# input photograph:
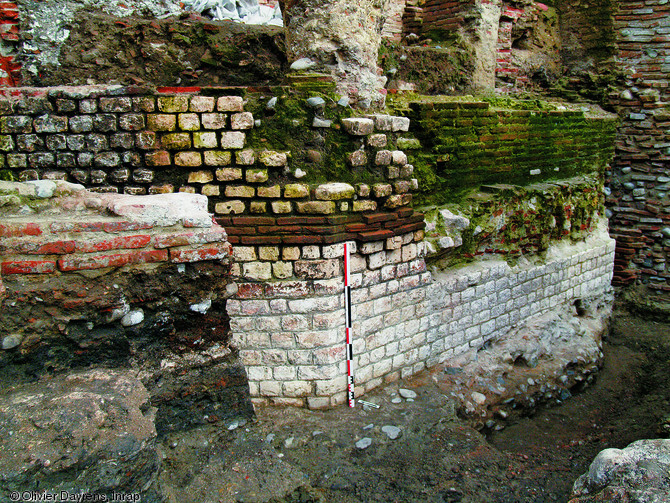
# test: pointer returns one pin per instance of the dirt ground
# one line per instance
(295, 455)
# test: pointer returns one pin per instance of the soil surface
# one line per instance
(296, 455)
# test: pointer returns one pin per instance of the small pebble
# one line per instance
(368, 426)
(392, 432)
(407, 393)
(364, 443)
(396, 400)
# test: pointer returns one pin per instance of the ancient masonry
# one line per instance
(287, 316)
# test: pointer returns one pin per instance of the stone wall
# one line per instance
(639, 201)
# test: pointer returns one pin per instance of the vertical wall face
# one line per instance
(639, 201)
(10, 69)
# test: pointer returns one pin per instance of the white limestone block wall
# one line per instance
(291, 333)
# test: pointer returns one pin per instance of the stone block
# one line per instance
(243, 191)
(296, 190)
(189, 122)
(280, 207)
(282, 270)
(290, 253)
(228, 174)
(200, 177)
(381, 190)
(172, 104)
(161, 122)
(146, 140)
(217, 158)
(244, 253)
(317, 207)
(243, 120)
(81, 124)
(334, 191)
(311, 252)
(399, 157)
(274, 191)
(258, 207)
(210, 190)
(397, 201)
(364, 205)
(202, 104)
(270, 158)
(357, 158)
(383, 158)
(230, 104)
(268, 252)
(392, 172)
(205, 139)
(232, 139)
(50, 124)
(258, 271)
(176, 141)
(257, 175)
(190, 159)
(377, 140)
(214, 121)
(358, 127)
(245, 157)
(317, 269)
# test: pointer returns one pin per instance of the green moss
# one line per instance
(6, 175)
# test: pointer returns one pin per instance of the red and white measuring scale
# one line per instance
(347, 324)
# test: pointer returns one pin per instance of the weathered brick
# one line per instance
(28, 267)
(88, 106)
(358, 127)
(31, 142)
(317, 269)
(258, 207)
(257, 270)
(41, 160)
(228, 174)
(189, 122)
(17, 160)
(120, 175)
(115, 243)
(212, 251)
(364, 205)
(106, 160)
(383, 158)
(89, 261)
(6, 143)
(143, 175)
(357, 158)
(96, 142)
(124, 141)
(210, 190)
(377, 140)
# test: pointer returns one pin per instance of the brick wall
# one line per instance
(639, 202)
(393, 25)
(447, 15)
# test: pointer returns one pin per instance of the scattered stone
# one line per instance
(392, 432)
(289, 443)
(368, 426)
(396, 400)
(11, 341)
(270, 438)
(364, 443)
(272, 103)
(201, 307)
(407, 394)
(478, 397)
(324, 123)
(316, 101)
(134, 317)
(343, 102)
(302, 64)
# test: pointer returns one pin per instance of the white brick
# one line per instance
(377, 260)
(311, 252)
(244, 253)
(284, 373)
(297, 388)
(270, 388)
(330, 387)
